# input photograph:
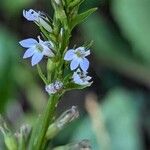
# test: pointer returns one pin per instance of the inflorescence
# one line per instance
(66, 69)
(77, 57)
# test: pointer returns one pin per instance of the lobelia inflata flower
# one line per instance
(37, 50)
(37, 17)
(54, 87)
(77, 58)
(81, 78)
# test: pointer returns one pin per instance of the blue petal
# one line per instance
(31, 15)
(84, 64)
(36, 58)
(77, 79)
(69, 55)
(29, 52)
(74, 64)
(27, 43)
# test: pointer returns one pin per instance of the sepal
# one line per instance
(73, 86)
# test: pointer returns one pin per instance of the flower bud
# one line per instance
(83, 145)
(39, 18)
(22, 136)
(9, 138)
(25, 131)
(44, 24)
(67, 117)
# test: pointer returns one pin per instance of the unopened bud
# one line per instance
(9, 138)
(45, 24)
(83, 145)
(67, 117)
(25, 131)
(22, 136)
(62, 121)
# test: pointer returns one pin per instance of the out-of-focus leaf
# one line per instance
(37, 101)
(8, 51)
(120, 111)
(84, 131)
(133, 18)
(112, 50)
(1, 142)
(13, 6)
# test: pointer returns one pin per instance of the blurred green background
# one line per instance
(120, 67)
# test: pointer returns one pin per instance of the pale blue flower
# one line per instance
(37, 17)
(81, 78)
(77, 58)
(54, 87)
(36, 50)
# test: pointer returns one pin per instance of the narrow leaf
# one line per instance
(81, 17)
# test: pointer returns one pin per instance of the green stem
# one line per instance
(21, 145)
(44, 144)
(46, 119)
(41, 74)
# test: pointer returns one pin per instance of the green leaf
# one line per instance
(2, 142)
(81, 17)
(8, 61)
(15, 6)
(120, 113)
(134, 22)
(111, 49)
